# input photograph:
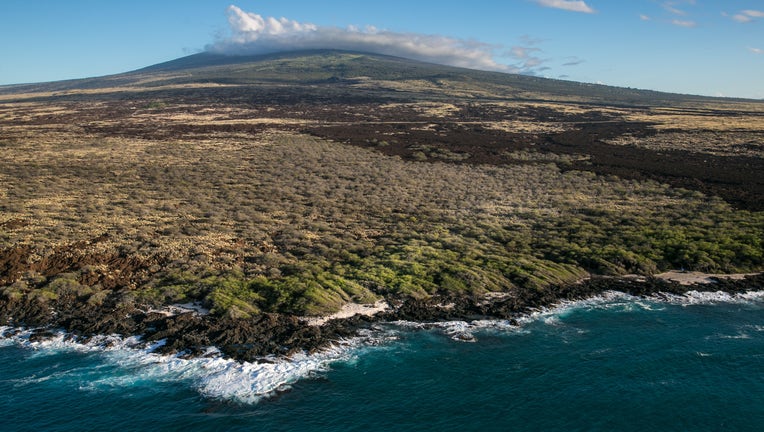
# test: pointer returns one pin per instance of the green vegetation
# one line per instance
(293, 224)
(155, 105)
(214, 193)
(424, 152)
(303, 69)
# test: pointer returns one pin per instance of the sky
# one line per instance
(708, 47)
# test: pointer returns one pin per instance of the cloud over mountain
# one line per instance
(569, 5)
(254, 34)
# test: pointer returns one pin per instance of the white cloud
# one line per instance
(754, 13)
(569, 5)
(644, 17)
(669, 7)
(748, 15)
(573, 61)
(253, 34)
(526, 58)
(682, 23)
(521, 52)
(756, 50)
(530, 40)
(532, 62)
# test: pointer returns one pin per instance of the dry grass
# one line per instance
(429, 109)
(686, 121)
(721, 143)
(722, 117)
(527, 126)
(441, 87)
(76, 187)
(568, 108)
(135, 87)
(274, 203)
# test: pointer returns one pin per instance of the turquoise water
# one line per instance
(613, 363)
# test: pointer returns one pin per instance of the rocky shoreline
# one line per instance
(190, 332)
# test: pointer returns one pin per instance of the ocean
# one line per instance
(609, 363)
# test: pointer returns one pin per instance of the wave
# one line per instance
(710, 298)
(216, 377)
(554, 315)
(212, 375)
(464, 331)
(616, 300)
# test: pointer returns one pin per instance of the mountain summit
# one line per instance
(356, 69)
(259, 191)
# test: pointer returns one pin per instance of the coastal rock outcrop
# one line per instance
(191, 333)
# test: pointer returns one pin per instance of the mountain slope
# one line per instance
(297, 183)
(342, 68)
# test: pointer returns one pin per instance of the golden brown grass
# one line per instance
(278, 203)
(721, 143)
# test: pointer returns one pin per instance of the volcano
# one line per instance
(333, 68)
(267, 189)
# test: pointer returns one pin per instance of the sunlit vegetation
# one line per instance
(194, 187)
(290, 223)
(722, 143)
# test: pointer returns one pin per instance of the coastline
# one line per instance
(188, 332)
(350, 310)
(617, 331)
(693, 277)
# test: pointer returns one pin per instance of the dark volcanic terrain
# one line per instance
(269, 189)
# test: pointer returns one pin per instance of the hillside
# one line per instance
(333, 68)
(297, 183)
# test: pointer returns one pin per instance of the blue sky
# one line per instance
(711, 47)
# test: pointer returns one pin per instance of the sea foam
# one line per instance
(211, 375)
(616, 300)
(555, 314)
(708, 297)
(216, 377)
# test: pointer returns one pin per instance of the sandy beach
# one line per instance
(349, 310)
(692, 277)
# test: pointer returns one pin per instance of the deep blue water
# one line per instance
(618, 363)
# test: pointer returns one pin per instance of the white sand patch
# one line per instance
(689, 278)
(177, 309)
(350, 310)
(193, 307)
